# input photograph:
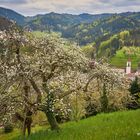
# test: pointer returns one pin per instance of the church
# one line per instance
(129, 73)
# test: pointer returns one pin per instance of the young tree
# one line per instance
(15, 70)
(105, 81)
(135, 90)
(54, 59)
(134, 87)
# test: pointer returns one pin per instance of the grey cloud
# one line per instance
(121, 3)
(128, 3)
(13, 1)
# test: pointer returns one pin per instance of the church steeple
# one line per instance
(128, 67)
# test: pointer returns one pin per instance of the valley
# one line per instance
(69, 75)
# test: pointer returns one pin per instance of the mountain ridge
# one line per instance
(5, 24)
(12, 15)
(103, 32)
(83, 28)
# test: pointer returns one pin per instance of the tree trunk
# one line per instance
(49, 111)
(52, 120)
(48, 108)
(28, 117)
(104, 100)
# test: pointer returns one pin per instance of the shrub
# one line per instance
(8, 128)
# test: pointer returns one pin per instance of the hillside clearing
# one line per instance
(121, 57)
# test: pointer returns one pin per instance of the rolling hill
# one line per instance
(121, 57)
(89, 32)
(108, 46)
(61, 22)
(84, 28)
(5, 24)
(12, 15)
(108, 33)
(119, 48)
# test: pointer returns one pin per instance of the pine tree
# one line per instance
(134, 87)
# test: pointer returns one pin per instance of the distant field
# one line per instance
(121, 57)
(44, 34)
(39, 33)
(113, 126)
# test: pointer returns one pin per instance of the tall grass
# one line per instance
(114, 126)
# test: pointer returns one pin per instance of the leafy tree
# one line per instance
(134, 87)
(37, 72)
(53, 60)
(89, 51)
(134, 90)
(105, 80)
(42, 71)
(16, 87)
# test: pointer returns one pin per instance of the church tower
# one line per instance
(128, 67)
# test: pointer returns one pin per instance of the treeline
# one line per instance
(87, 33)
(108, 45)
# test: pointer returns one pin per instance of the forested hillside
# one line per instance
(4, 23)
(108, 47)
(102, 34)
(87, 33)
(12, 15)
(121, 57)
(60, 22)
(83, 28)
(117, 48)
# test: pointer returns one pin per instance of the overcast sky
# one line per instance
(33, 7)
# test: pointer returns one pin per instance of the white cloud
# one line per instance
(33, 7)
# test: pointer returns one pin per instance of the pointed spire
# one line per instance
(128, 66)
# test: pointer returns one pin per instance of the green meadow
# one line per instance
(122, 56)
(113, 126)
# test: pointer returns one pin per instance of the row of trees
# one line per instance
(38, 72)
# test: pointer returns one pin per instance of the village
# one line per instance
(128, 72)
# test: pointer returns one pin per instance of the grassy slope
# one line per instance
(120, 59)
(114, 126)
(16, 133)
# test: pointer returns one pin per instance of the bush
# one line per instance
(8, 128)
